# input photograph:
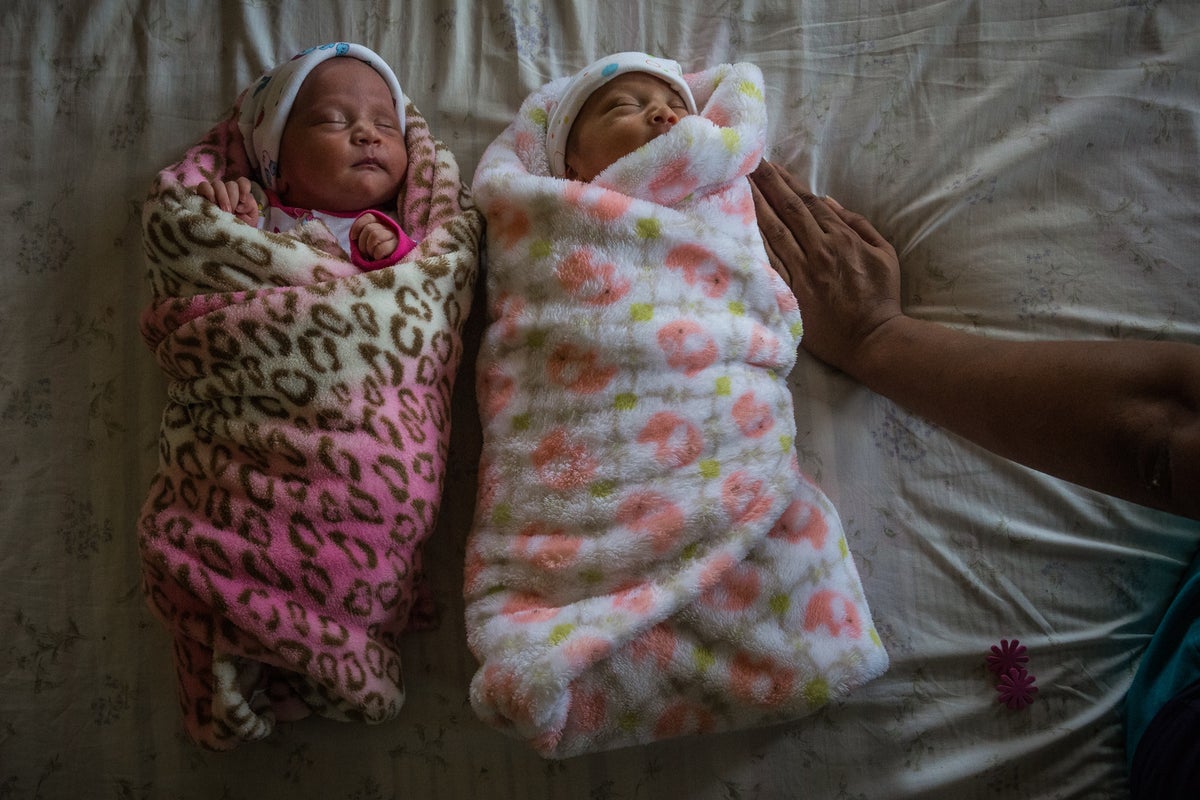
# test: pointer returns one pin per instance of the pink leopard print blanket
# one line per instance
(647, 559)
(302, 446)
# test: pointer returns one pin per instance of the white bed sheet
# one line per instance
(1036, 163)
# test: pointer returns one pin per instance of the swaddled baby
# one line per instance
(309, 367)
(647, 559)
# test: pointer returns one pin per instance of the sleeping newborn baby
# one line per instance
(326, 131)
(647, 559)
(620, 112)
(309, 369)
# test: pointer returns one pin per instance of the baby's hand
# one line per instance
(235, 197)
(375, 240)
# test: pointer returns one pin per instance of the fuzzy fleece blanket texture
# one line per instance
(302, 445)
(647, 558)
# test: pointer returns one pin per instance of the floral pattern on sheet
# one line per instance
(524, 28)
(973, 135)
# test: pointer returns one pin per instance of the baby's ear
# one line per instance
(570, 172)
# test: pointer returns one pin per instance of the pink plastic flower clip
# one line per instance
(1016, 688)
(1008, 656)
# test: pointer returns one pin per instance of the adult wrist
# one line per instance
(881, 350)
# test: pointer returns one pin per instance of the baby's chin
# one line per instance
(358, 198)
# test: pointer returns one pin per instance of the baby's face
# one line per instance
(342, 149)
(618, 118)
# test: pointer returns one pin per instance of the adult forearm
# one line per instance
(1119, 417)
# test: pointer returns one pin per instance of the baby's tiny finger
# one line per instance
(223, 200)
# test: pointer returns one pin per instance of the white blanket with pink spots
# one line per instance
(648, 559)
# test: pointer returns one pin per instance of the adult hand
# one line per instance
(844, 274)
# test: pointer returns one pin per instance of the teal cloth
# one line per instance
(1171, 662)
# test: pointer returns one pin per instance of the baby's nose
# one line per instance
(663, 115)
(366, 132)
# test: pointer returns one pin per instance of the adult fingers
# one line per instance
(827, 212)
(790, 206)
(775, 261)
(777, 264)
(821, 212)
(783, 251)
(861, 225)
